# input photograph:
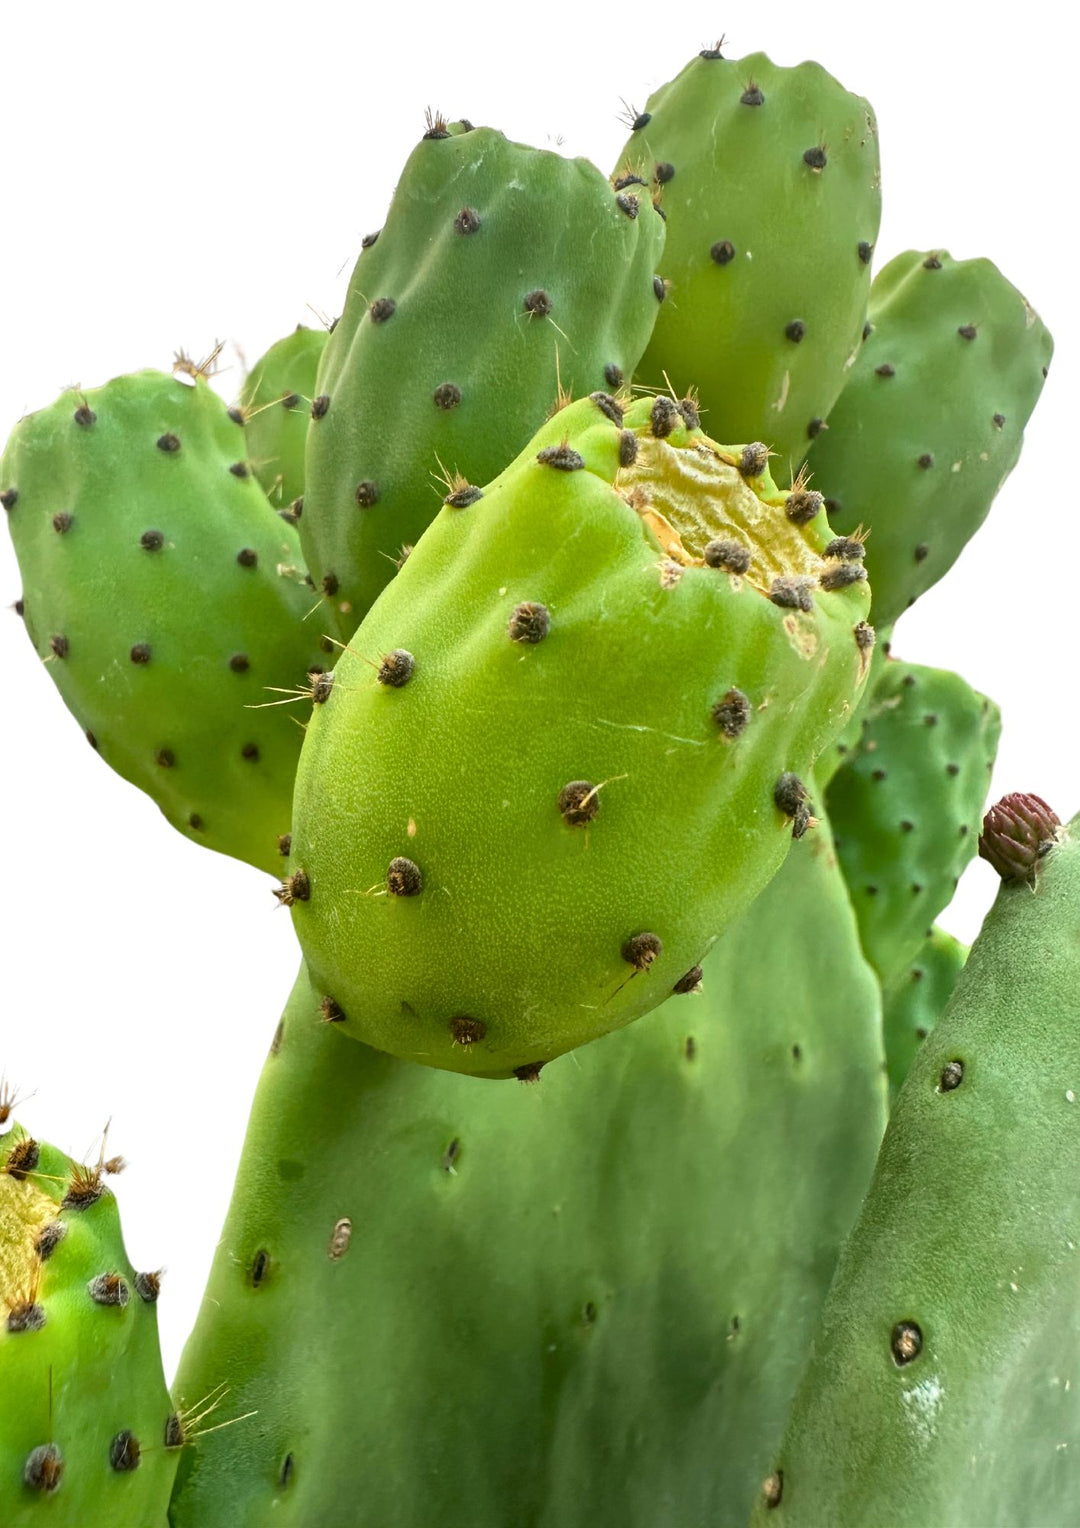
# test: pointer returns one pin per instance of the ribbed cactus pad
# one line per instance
(88, 1436)
(942, 1387)
(932, 418)
(276, 404)
(501, 272)
(770, 182)
(916, 998)
(167, 599)
(568, 746)
(557, 1307)
(907, 803)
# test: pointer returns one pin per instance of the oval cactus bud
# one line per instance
(1017, 833)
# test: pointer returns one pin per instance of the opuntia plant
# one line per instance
(635, 1148)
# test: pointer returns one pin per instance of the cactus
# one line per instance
(932, 419)
(938, 1389)
(503, 274)
(916, 997)
(907, 804)
(166, 598)
(610, 1254)
(489, 917)
(276, 402)
(88, 1434)
(770, 182)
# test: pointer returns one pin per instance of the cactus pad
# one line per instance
(276, 404)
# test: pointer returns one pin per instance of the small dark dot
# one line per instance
(151, 541)
(628, 448)
(382, 309)
(247, 557)
(529, 623)
(690, 1048)
(930, 719)
(284, 844)
(964, 830)
(195, 821)
(723, 252)
(926, 460)
(906, 1342)
(290, 400)
(295, 509)
(967, 331)
(403, 877)
(467, 220)
(84, 416)
(91, 739)
(613, 375)
(140, 653)
(952, 769)
(466, 1031)
(287, 1466)
(842, 577)
(815, 157)
(44, 1468)
(124, 1451)
(815, 427)
(796, 1053)
(332, 1012)
(239, 469)
(871, 891)
(866, 251)
(867, 330)
(642, 950)
(59, 645)
(396, 669)
(795, 331)
(754, 459)
(846, 548)
(329, 584)
(579, 802)
(563, 457)
(239, 663)
(803, 505)
(885, 370)
(732, 713)
(664, 416)
(952, 1076)
(641, 120)
(369, 239)
(250, 751)
(628, 204)
(752, 96)
(9, 498)
(168, 442)
(999, 421)
(792, 593)
(879, 774)
(664, 172)
(260, 1266)
(165, 758)
(608, 406)
(446, 396)
(691, 982)
(366, 493)
(907, 826)
(659, 286)
(731, 555)
(916, 889)
(931, 263)
(320, 405)
(461, 498)
(689, 410)
(62, 522)
(538, 303)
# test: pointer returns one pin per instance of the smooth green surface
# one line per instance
(915, 999)
(215, 633)
(971, 1229)
(580, 1304)
(907, 804)
(918, 454)
(90, 1372)
(794, 230)
(276, 402)
(523, 918)
(543, 223)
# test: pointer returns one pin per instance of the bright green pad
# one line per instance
(523, 919)
(917, 452)
(76, 1373)
(461, 373)
(907, 805)
(573, 1305)
(792, 242)
(970, 1231)
(167, 599)
(916, 998)
(276, 405)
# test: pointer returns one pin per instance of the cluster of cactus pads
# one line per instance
(576, 545)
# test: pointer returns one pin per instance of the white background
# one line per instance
(171, 175)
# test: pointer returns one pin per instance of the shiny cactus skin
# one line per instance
(932, 418)
(503, 273)
(88, 1434)
(166, 599)
(939, 1390)
(907, 803)
(770, 182)
(276, 404)
(656, 738)
(566, 1296)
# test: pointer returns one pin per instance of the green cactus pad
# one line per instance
(770, 181)
(907, 803)
(932, 419)
(916, 998)
(566, 711)
(578, 1305)
(502, 273)
(276, 404)
(88, 1435)
(167, 599)
(942, 1387)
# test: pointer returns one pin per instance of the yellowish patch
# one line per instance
(24, 1209)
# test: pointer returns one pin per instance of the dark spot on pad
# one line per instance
(59, 645)
(842, 576)
(905, 1341)
(168, 442)
(579, 802)
(922, 551)
(816, 157)
(608, 406)
(9, 498)
(752, 96)
(691, 982)
(885, 370)
(931, 263)
(866, 251)
(732, 713)
(320, 405)
(239, 663)
(369, 239)
(564, 457)
(999, 421)
(466, 1031)
(195, 821)
(63, 522)
(803, 505)
(529, 1073)
(49, 1238)
(284, 844)
(174, 1431)
(287, 1465)
(403, 877)
(664, 172)
(538, 303)
(722, 252)
(791, 798)
(792, 592)
(294, 888)
(165, 758)
(109, 1289)
(613, 375)
(926, 460)
(628, 204)
(814, 428)
(260, 1267)
(664, 416)
(641, 120)
(44, 1468)
(329, 584)
(247, 557)
(332, 1012)
(366, 493)
(239, 469)
(467, 220)
(148, 1287)
(84, 416)
(659, 286)
(795, 331)
(446, 396)
(628, 448)
(396, 669)
(25, 1316)
(628, 180)
(754, 459)
(461, 498)
(689, 410)
(530, 622)
(967, 331)
(642, 950)
(382, 309)
(845, 549)
(952, 1076)
(731, 555)
(250, 751)
(140, 653)
(151, 541)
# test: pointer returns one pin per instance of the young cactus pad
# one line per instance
(502, 272)
(566, 710)
(88, 1435)
(770, 182)
(166, 598)
(932, 418)
(942, 1383)
(907, 803)
(553, 1307)
(276, 404)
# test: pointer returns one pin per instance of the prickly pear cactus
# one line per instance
(276, 404)
(940, 1389)
(596, 683)
(932, 418)
(167, 599)
(88, 1434)
(502, 272)
(907, 803)
(915, 999)
(567, 1297)
(770, 182)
